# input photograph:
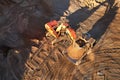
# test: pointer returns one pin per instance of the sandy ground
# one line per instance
(39, 60)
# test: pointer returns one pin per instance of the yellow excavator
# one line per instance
(79, 46)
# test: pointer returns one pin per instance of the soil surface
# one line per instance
(27, 54)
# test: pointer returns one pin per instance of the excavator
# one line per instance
(79, 47)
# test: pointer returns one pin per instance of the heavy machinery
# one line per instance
(79, 47)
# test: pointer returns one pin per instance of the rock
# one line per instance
(34, 49)
(35, 41)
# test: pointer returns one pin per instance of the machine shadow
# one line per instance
(99, 28)
(80, 16)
